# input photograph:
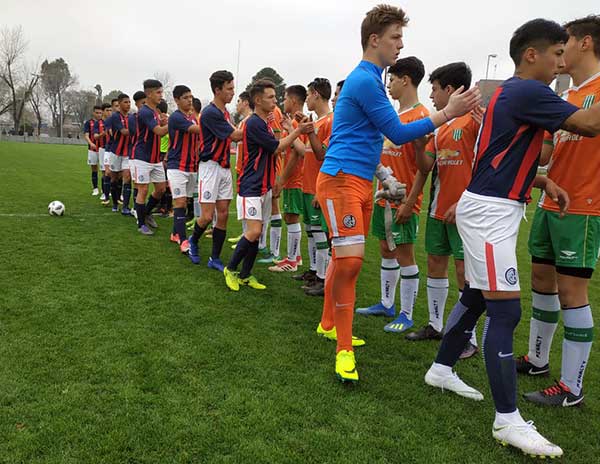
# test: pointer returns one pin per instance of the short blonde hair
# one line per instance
(379, 19)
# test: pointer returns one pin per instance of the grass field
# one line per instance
(115, 349)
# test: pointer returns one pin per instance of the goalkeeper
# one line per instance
(344, 186)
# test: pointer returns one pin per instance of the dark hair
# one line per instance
(537, 33)
(322, 86)
(122, 96)
(218, 79)
(106, 106)
(150, 84)
(297, 91)
(410, 66)
(197, 104)
(112, 102)
(340, 84)
(379, 19)
(258, 88)
(179, 90)
(590, 25)
(162, 106)
(244, 96)
(139, 95)
(454, 74)
(97, 107)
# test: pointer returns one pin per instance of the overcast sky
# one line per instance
(120, 43)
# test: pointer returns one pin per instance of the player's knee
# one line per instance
(543, 277)
(437, 266)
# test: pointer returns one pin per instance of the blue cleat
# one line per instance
(399, 325)
(215, 264)
(377, 310)
(193, 252)
(126, 212)
(145, 230)
(115, 209)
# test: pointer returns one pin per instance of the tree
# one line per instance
(79, 105)
(35, 101)
(167, 81)
(4, 98)
(112, 94)
(272, 75)
(14, 72)
(98, 89)
(56, 80)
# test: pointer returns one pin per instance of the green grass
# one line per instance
(114, 349)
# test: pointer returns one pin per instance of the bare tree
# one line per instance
(98, 89)
(35, 101)
(14, 73)
(167, 81)
(56, 80)
(79, 105)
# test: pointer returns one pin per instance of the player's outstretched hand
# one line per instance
(286, 123)
(462, 102)
(558, 195)
(299, 116)
(306, 127)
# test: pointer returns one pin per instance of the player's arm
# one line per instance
(287, 141)
(554, 192)
(547, 149)
(584, 122)
(405, 210)
(160, 130)
(317, 146)
(381, 113)
(237, 134)
(296, 154)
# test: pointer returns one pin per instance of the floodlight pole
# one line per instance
(487, 67)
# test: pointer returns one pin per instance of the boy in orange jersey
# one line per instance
(290, 183)
(450, 154)
(405, 77)
(564, 250)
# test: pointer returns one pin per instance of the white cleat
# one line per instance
(526, 438)
(451, 382)
(103, 197)
(95, 192)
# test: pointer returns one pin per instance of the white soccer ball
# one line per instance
(56, 208)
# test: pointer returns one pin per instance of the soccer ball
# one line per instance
(56, 208)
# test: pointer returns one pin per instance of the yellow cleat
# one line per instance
(332, 335)
(231, 279)
(252, 283)
(345, 366)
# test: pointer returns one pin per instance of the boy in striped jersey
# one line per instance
(119, 156)
(89, 129)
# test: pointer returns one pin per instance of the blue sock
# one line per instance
(135, 192)
(95, 179)
(179, 223)
(249, 260)
(152, 202)
(114, 193)
(106, 186)
(459, 326)
(218, 241)
(198, 231)
(140, 209)
(239, 253)
(502, 319)
(126, 194)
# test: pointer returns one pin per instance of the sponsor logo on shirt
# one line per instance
(565, 136)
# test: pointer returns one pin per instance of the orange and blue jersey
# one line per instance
(91, 127)
(182, 154)
(363, 113)
(120, 143)
(258, 165)
(511, 138)
(147, 145)
(215, 129)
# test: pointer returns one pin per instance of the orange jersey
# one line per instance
(575, 161)
(311, 164)
(240, 149)
(274, 121)
(453, 148)
(402, 159)
(295, 179)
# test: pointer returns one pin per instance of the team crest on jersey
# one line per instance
(207, 195)
(588, 101)
(252, 211)
(457, 134)
(511, 276)
(177, 191)
(349, 221)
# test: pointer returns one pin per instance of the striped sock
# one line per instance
(390, 275)
(544, 319)
(577, 345)
(409, 289)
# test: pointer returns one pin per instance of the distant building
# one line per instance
(487, 88)
(562, 83)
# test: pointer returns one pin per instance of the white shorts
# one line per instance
(144, 173)
(106, 157)
(214, 182)
(489, 227)
(92, 158)
(118, 163)
(181, 183)
(255, 208)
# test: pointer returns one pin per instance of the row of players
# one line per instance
(564, 249)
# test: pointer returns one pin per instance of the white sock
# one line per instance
(390, 275)
(321, 253)
(474, 336)
(441, 369)
(197, 210)
(577, 345)
(312, 249)
(294, 235)
(437, 294)
(543, 323)
(409, 289)
(262, 242)
(276, 227)
(509, 418)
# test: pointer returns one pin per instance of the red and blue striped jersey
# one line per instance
(183, 152)
(132, 122)
(259, 158)
(511, 136)
(215, 129)
(147, 145)
(90, 127)
(120, 142)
